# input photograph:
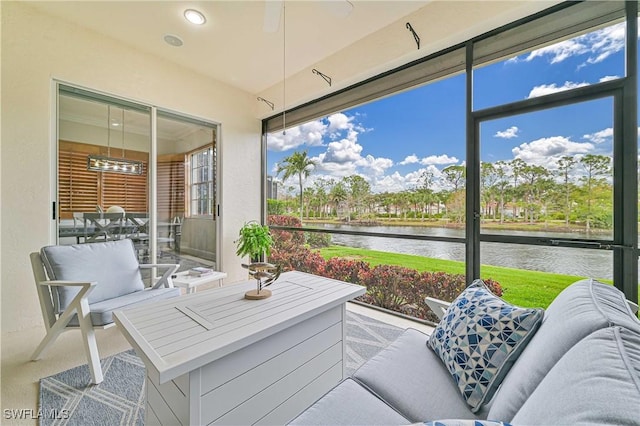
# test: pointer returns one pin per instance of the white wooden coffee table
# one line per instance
(217, 358)
(190, 282)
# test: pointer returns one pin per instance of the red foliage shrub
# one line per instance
(345, 269)
(440, 285)
(388, 286)
(285, 239)
(494, 286)
(392, 287)
(298, 259)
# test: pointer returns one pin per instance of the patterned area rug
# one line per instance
(120, 400)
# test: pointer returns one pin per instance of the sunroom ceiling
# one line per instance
(347, 40)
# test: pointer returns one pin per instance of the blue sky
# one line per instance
(390, 142)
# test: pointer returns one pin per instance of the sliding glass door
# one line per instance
(186, 188)
(111, 187)
(103, 166)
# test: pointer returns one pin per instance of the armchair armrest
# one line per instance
(68, 283)
(79, 304)
(439, 307)
(165, 279)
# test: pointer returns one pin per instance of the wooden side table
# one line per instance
(191, 282)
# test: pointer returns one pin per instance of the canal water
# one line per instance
(562, 260)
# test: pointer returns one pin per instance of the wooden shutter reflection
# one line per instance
(171, 187)
(81, 190)
(77, 186)
(126, 191)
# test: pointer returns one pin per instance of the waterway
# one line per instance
(562, 260)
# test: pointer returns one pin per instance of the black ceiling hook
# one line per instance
(326, 77)
(271, 104)
(415, 36)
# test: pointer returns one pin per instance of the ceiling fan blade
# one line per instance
(272, 15)
(340, 8)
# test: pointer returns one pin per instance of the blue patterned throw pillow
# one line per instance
(479, 338)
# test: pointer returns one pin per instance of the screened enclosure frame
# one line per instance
(558, 22)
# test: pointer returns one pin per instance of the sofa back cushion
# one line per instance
(578, 311)
(113, 265)
(597, 382)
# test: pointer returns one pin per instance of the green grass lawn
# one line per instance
(521, 287)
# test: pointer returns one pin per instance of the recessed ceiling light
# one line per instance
(173, 40)
(194, 17)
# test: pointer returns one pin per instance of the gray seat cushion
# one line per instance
(349, 404)
(596, 383)
(102, 312)
(412, 378)
(578, 311)
(113, 265)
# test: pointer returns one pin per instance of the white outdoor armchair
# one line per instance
(81, 285)
(439, 307)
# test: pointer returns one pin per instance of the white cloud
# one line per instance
(438, 159)
(396, 182)
(309, 134)
(432, 159)
(332, 168)
(601, 136)
(560, 51)
(511, 132)
(546, 89)
(412, 179)
(547, 151)
(608, 78)
(339, 122)
(313, 133)
(389, 183)
(376, 166)
(344, 156)
(605, 42)
(411, 159)
(598, 45)
(343, 151)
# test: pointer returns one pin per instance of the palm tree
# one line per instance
(338, 195)
(297, 164)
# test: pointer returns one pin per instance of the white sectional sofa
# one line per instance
(581, 366)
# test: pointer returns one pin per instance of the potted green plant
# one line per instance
(254, 241)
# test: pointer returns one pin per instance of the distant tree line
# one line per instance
(572, 189)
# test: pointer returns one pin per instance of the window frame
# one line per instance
(193, 185)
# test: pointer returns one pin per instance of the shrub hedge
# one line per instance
(388, 286)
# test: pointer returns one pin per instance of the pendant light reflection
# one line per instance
(99, 163)
(102, 163)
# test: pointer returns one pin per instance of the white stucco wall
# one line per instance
(36, 49)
